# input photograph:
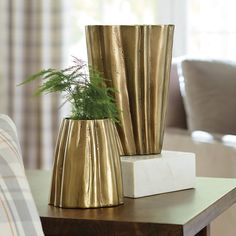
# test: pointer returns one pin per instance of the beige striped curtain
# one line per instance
(30, 39)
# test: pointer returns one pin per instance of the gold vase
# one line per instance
(136, 61)
(86, 170)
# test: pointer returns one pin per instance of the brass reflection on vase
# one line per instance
(136, 61)
(87, 170)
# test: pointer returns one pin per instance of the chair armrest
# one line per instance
(214, 157)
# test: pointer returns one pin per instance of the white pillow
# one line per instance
(18, 213)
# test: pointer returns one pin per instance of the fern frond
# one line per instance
(84, 88)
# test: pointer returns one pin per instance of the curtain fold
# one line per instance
(31, 39)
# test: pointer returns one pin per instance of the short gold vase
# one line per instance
(135, 60)
(86, 170)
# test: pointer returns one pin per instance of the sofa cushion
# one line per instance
(210, 95)
(175, 116)
(18, 213)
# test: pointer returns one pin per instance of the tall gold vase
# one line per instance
(86, 171)
(137, 61)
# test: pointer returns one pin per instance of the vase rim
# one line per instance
(68, 118)
(153, 25)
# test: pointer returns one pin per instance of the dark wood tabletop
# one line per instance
(182, 213)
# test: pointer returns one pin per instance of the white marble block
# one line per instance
(145, 175)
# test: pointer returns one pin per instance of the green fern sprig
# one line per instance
(83, 87)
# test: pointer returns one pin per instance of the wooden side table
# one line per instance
(183, 213)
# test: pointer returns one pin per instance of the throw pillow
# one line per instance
(210, 95)
(18, 213)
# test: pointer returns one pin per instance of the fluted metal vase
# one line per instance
(86, 171)
(136, 61)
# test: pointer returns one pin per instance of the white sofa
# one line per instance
(215, 153)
